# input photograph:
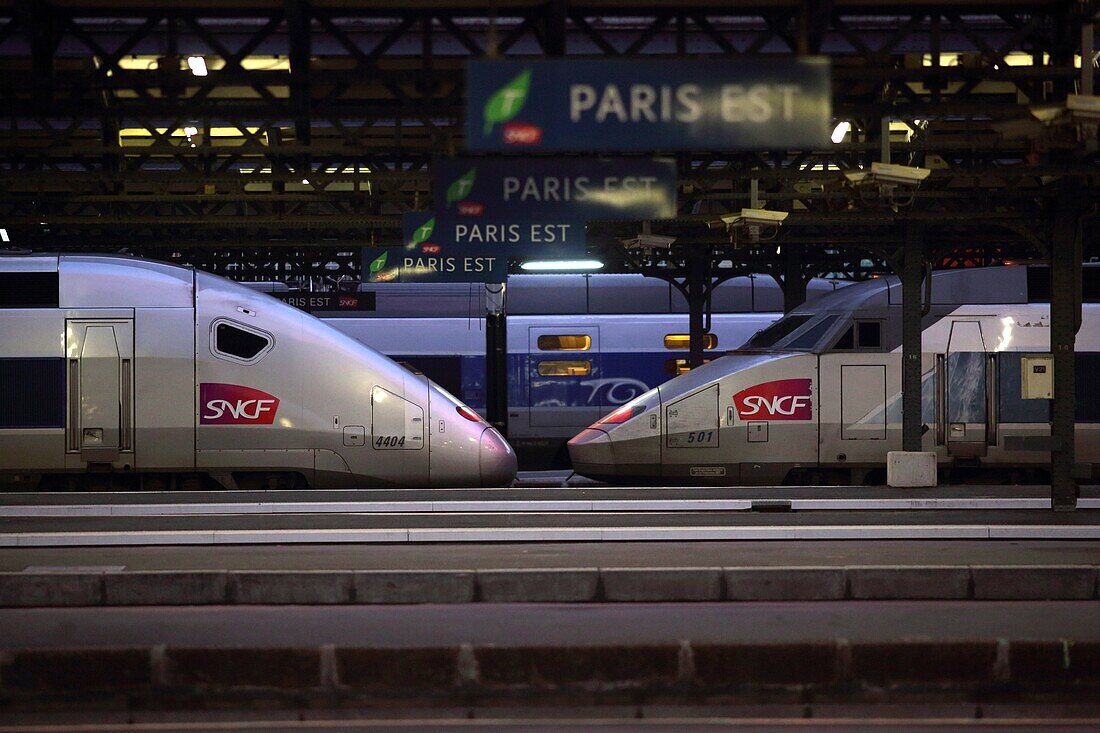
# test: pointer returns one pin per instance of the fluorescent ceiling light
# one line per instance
(197, 64)
(4, 235)
(559, 265)
(842, 129)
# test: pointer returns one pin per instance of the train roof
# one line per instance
(573, 294)
(109, 281)
(816, 325)
(970, 286)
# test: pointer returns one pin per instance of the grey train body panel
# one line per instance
(116, 367)
(817, 395)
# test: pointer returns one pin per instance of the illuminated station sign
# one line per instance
(491, 209)
(648, 105)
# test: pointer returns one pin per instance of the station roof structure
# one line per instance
(313, 124)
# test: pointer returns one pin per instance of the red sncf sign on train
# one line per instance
(232, 404)
(783, 399)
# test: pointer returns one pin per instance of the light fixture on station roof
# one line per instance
(4, 236)
(197, 64)
(561, 265)
(840, 131)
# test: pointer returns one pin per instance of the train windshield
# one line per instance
(809, 339)
(776, 332)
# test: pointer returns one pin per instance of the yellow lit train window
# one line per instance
(676, 367)
(683, 341)
(565, 368)
(568, 342)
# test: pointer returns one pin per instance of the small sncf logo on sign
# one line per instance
(232, 404)
(783, 399)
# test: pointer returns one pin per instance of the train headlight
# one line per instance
(622, 414)
(467, 413)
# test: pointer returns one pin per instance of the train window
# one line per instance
(565, 368)
(28, 290)
(776, 332)
(676, 367)
(683, 341)
(567, 342)
(869, 334)
(239, 342)
(1010, 406)
(811, 336)
(1087, 366)
(861, 335)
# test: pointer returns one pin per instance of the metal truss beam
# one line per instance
(356, 99)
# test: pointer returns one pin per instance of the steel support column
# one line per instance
(794, 278)
(696, 289)
(1065, 321)
(298, 32)
(554, 16)
(496, 358)
(912, 273)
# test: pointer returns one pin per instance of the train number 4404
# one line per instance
(389, 441)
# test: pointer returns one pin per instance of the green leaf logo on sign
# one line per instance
(379, 262)
(461, 188)
(507, 101)
(423, 233)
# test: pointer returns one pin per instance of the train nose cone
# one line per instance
(590, 453)
(498, 460)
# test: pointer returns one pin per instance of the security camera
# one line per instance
(1083, 107)
(749, 217)
(762, 216)
(902, 175)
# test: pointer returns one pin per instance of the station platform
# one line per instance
(549, 572)
(796, 652)
(138, 601)
(581, 514)
(568, 545)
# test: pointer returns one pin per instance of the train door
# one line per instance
(100, 418)
(564, 376)
(863, 402)
(398, 428)
(964, 415)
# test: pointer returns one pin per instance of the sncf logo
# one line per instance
(522, 133)
(232, 404)
(783, 399)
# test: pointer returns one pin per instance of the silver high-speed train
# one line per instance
(817, 395)
(118, 372)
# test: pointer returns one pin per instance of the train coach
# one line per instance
(127, 373)
(816, 397)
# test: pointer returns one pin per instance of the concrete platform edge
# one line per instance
(553, 585)
(832, 667)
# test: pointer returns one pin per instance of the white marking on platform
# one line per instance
(81, 569)
(546, 534)
(527, 506)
